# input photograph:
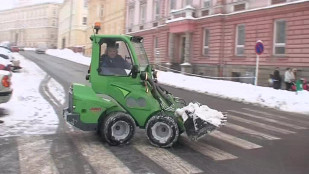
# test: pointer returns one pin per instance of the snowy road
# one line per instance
(256, 140)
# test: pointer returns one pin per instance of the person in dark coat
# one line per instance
(112, 63)
(277, 79)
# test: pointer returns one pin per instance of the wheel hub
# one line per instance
(161, 131)
(120, 130)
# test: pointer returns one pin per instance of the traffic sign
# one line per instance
(259, 47)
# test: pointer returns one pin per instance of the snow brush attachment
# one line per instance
(200, 120)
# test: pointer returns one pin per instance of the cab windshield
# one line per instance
(141, 55)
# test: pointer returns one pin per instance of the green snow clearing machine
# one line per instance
(119, 99)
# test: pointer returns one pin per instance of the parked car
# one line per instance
(5, 86)
(14, 49)
(5, 53)
(5, 65)
(41, 49)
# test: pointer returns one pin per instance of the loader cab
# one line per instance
(117, 63)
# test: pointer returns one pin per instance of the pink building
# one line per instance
(218, 37)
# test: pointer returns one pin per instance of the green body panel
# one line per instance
(89, 105)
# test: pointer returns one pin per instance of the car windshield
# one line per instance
(141, 55)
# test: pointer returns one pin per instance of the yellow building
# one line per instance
(73, 16)
(31, 25)
(111, 14)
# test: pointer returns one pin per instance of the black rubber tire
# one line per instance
(116, 119)
(164, 122)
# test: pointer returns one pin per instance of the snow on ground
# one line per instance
(247, 93)
(69, 55)
(27, 111)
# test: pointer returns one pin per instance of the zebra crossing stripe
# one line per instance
(39, 160)
(279, 116)
(250, 131)
(269, 120)
(168, 161)
(100, 158)
(208, 150)
(234, 140)
(261, 125)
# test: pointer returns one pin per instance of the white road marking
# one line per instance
(34, 155)
(250, 131)
(269, 120)
(234, 140)
(99, 157)
(261, 125)
(278, 116)
(168, 161)
(208, 150)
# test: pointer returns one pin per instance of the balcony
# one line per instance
(185, 13)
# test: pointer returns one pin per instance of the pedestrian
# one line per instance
(271, 80)
(288, 78)
(277, 79)
(294, 71)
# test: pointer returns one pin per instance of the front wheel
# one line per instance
(117, 128)
(162, 131)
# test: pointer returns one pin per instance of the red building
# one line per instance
(218, 37)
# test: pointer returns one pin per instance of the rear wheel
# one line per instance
(162, 131)
(117, 128)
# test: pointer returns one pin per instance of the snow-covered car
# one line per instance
(5, 65)
(5, 86)
(5, 53)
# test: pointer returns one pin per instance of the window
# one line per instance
(206, 3)
(85, 3)
(156, 49)
(142, 14)
(240, 40)
(172, 4)
(186, 2)
(115, 59)
(206, 42)
(277, 1)
(239, 7)
(279, 40)
(156, 9)
(131, 17)
(101, 11)
(84, 20)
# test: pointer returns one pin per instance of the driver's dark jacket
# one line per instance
(113, 66)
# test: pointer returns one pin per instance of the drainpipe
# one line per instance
(70, 24)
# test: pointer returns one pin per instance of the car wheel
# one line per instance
(118, 128)
(162, 131)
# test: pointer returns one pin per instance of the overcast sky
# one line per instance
(8, 4)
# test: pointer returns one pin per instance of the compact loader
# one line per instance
(116, 103)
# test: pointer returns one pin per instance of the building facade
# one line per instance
(30, 26)
(218, 37)
(73, 20)
(111, 14)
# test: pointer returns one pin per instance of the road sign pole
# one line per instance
(257, 69)
(259, 48)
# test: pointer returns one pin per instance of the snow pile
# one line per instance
(203, 112)
(242, 92)
(27, 112)
(69, 55)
